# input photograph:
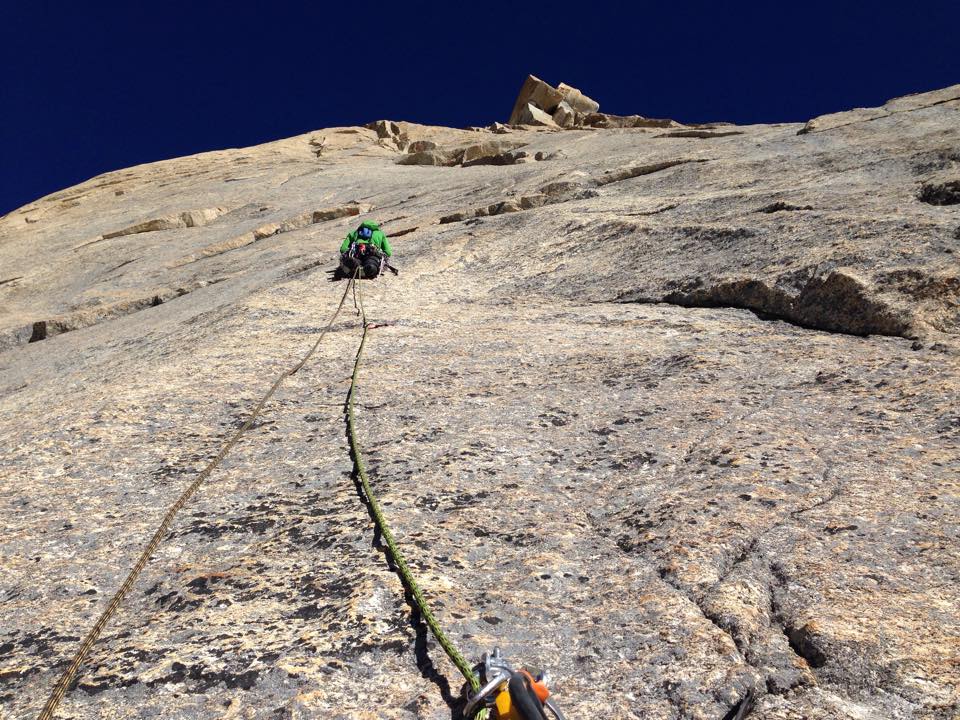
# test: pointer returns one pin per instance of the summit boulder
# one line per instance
(536, 92)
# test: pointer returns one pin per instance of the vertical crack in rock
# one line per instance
(799, 639)
(714, 620)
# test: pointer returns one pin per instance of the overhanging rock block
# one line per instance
(577, 100)
(535, 91)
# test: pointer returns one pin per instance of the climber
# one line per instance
(366, 248)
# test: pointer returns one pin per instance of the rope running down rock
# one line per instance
(401, 564)
(68, 676)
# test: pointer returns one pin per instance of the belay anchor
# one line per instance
(511, 694)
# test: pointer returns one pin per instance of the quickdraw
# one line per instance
(511, 694)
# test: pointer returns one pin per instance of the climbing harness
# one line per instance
(512, 694)
(367, 258)
(515, 695)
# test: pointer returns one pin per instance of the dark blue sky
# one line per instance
(92, 87)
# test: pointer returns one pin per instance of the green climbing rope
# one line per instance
(401, 564)
(70, 673)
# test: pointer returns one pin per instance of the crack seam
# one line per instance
(889, 113)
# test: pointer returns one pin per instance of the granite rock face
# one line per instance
(670, 412)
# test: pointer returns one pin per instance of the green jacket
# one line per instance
(379, 239)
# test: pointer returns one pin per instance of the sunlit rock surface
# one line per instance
(672, 412)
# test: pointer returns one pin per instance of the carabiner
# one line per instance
(511, 694)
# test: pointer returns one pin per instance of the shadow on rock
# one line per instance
(424, 664)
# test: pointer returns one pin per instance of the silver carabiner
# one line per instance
(498, 671)
(473, 704)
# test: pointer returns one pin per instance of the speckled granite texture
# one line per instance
(671, 415)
